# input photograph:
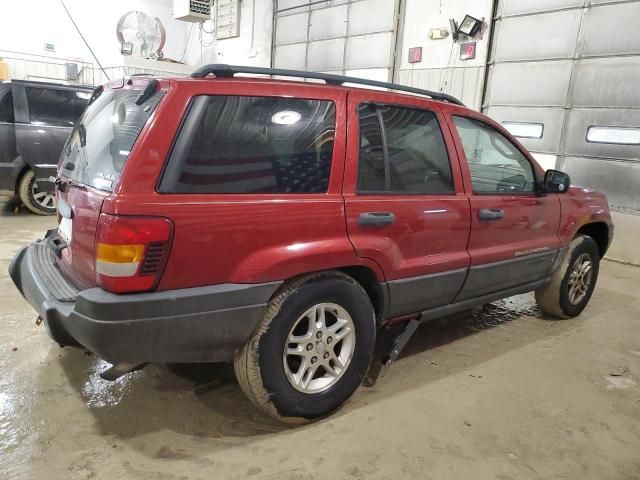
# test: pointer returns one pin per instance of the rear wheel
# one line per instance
(311, 350)
(36, 199)
(572, 284)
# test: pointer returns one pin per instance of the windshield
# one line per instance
(100, 143)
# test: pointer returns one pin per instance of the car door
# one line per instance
(513, 238)
(45, 120)
(404, 199)
(8, 151)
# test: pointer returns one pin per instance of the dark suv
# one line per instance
(36, 119)
(279, 224)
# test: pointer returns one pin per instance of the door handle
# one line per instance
(490, 214)
(376, 218)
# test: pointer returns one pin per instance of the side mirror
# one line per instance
(556, 182)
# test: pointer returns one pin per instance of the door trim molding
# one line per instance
(414, 294)
(504, 274)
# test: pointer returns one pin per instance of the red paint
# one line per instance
(430, 233)
(264, 237)
(78, 260)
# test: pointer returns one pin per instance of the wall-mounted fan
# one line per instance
(141, 35)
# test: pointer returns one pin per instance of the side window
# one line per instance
(496, 165)
(59, 108)
(402, 151)
(253, 145)
(6, 107)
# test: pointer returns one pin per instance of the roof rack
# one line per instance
(226, 71)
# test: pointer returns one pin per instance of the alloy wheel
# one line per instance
(319, 348)
(580, 278)
(44, 199)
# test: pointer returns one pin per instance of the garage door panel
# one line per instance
(326, 55)
(580, 119)
(292, 29)
(534, 84)
(608, 82)
(369, 51)
(291, 56)
(534, 37)
(370, 16)
(519, 7)
(328, 23)
(618, 180)
(550, 118)
(380, 74)
(315, 5)
(285, 4)
(612, 30)
(427, 78)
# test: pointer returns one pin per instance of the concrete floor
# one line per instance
(503, 393)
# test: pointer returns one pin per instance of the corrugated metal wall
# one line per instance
(571, 65)
(352, 37)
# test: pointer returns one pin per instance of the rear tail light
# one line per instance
(131, 252)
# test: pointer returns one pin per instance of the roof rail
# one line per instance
(226, 71)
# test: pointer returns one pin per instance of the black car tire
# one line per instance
(25, 192)
(554, 298)
(260, 366)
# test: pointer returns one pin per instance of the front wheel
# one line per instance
(573, 282)
(311, 349)
(34, 197)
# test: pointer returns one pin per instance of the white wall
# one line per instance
(25, 26)
(252, 47)
(441, 68)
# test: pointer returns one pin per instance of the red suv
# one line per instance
(279, 224)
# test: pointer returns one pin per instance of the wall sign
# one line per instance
(467, 51)
(415, 54)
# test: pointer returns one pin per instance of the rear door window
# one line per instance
(402, 150)
(55, 107)
(100, 144)
(234, 144)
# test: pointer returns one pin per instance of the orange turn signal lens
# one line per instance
(120, 253)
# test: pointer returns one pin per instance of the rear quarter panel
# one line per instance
(231, 238)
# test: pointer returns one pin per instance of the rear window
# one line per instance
(99, 146)
(233, 144)
(55, 107)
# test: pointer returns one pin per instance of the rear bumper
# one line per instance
(202, 324)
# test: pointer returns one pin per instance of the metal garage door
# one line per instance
(566, 74)
(352, 37)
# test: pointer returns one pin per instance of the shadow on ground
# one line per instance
(11, 207)
(205, 401)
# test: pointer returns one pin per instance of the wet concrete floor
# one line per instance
(500, 393)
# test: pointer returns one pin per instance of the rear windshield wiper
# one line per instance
(82, 131)
(149, 90)
(63, 183)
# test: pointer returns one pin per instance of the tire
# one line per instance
(267, 375)
(27, 188)
(557, 298)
